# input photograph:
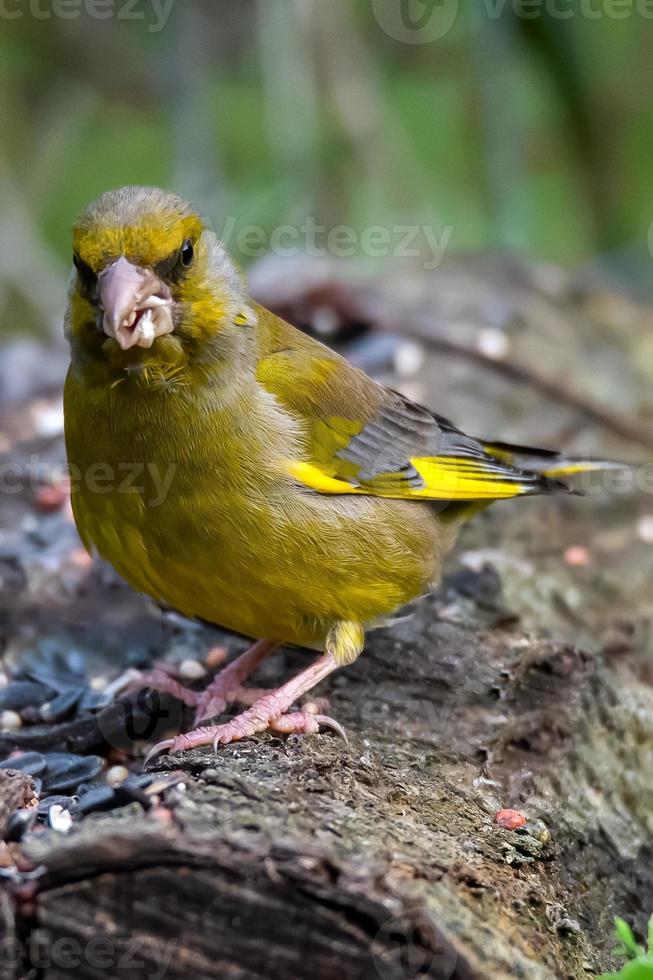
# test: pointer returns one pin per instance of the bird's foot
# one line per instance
(225, 688)
(269, 712)
(242, 726)
(162, 679)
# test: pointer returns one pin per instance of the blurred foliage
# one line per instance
(639, 963)
(533, 133)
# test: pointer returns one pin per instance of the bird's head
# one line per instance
(149, 276)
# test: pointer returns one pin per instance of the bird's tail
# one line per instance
(548, 463)
(553, 468)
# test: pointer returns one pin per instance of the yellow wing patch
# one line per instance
(442, 478)
(317, 479)
(457, 478)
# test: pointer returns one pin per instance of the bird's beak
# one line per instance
(136, 305)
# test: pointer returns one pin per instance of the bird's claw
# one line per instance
(268, 712)
(334, 725)
(164, 746)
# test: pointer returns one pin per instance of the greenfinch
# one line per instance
(237, 470)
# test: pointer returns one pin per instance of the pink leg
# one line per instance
(225, 687)
(248, 695)
(265, 713)
(161, 678)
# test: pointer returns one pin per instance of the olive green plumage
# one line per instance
(277, 490)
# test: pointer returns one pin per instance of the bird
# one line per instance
(236, 470)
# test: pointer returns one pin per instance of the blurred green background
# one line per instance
(522, 125)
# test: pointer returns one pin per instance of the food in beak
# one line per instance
(136, 305)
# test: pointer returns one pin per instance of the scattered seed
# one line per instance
(119, 685)
(59, 669)
(10, 721)
(19, 694)
(216, 656)
(60, 818)
(31, 763)
(60, 707)
(159, 783)
(116, 775)
(97, 800)
(191, 670)
(103, 798)
(67, 802)
(537, 829)
(65, 771)
(577, 555)
(18, 824)
(510, 819)
(90, 700)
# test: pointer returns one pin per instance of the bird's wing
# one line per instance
(366, 439)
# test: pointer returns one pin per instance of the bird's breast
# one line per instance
(191, 506)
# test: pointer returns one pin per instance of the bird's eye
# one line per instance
(172, 268)
(87, 277)
(187, 253)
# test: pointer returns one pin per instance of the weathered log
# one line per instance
(306, 857)
(522, 684)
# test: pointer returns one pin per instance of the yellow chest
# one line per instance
(188, 506)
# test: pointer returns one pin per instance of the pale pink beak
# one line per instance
(136, 304)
